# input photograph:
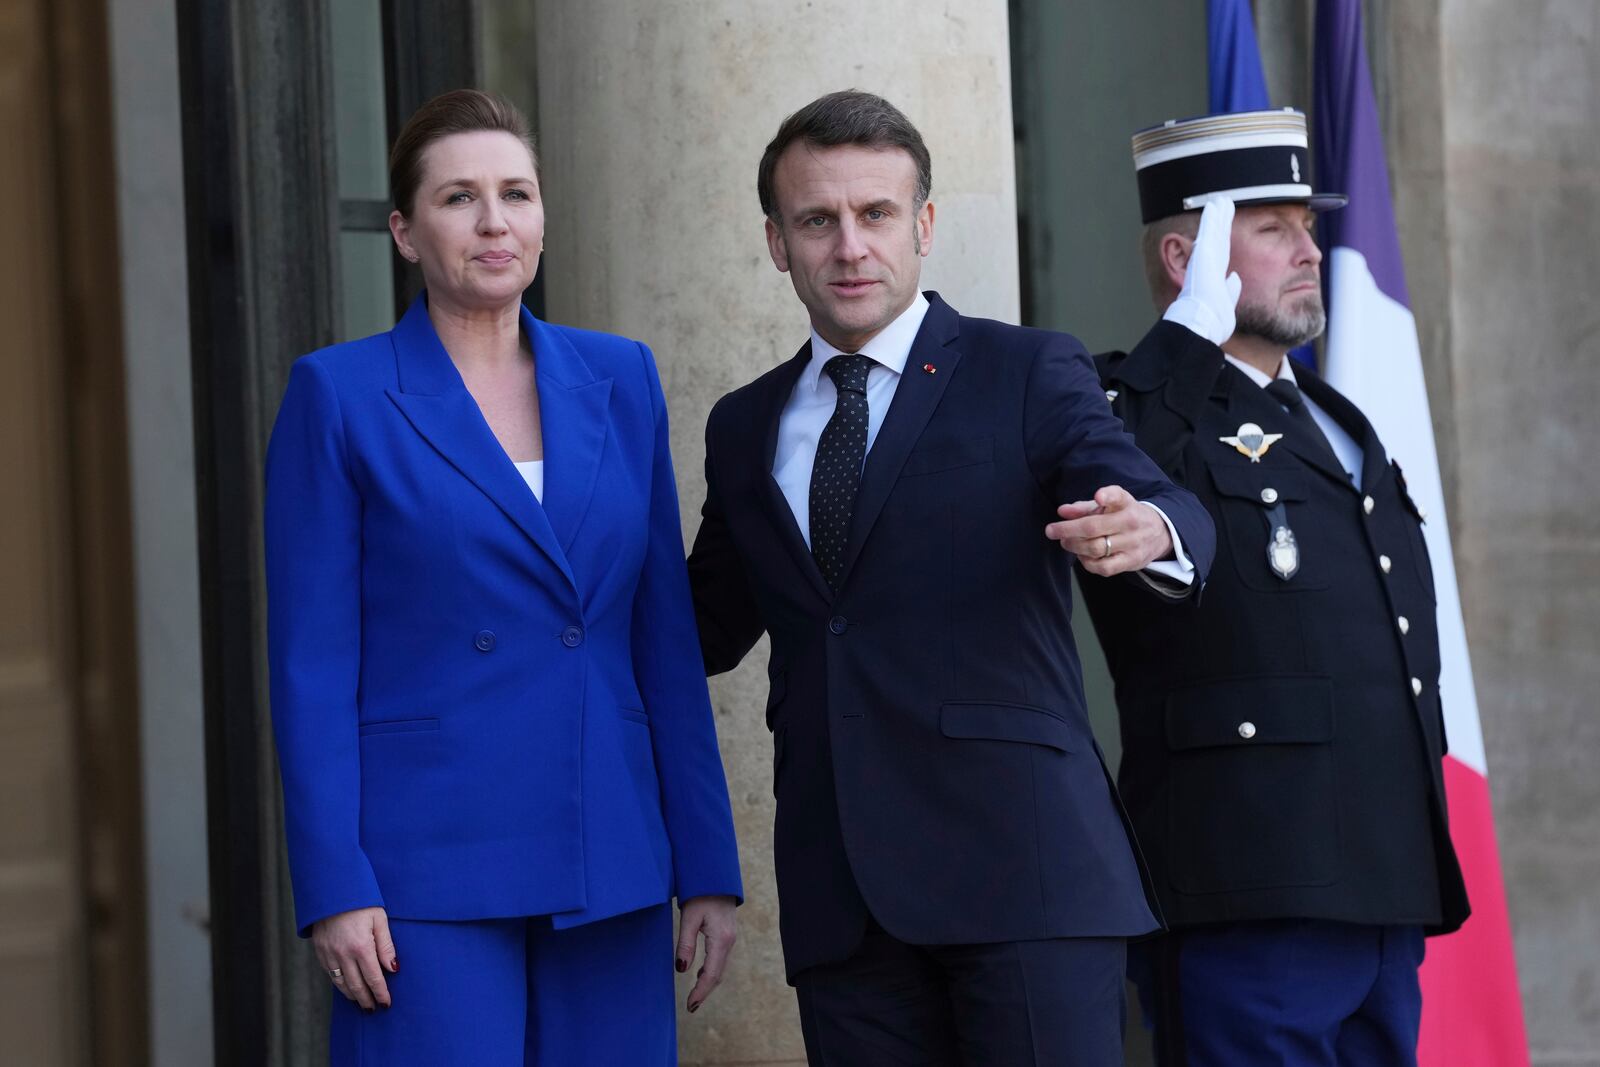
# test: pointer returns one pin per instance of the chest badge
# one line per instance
(1251, 441)
(1283, 553)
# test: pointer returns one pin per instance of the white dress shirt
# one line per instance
(532, 472)
(1345, 448)
(811, 405)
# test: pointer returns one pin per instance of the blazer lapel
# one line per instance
(915, 398)
(435, 401)
(572, 412)
(772, 497)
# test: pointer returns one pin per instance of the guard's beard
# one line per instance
(1291, 328)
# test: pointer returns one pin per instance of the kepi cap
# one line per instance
(1251, 157)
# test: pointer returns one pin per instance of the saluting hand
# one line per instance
(1112, 533)
(1210, 294)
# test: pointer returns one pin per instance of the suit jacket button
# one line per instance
(1367, 504)
(1384, 563)
(572, 636)
(1405, 625)
(1416, 687)
(838, 624)
(484, 641)
(1247, 730)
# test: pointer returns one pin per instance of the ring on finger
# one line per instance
(1107, 552)
(337, 974)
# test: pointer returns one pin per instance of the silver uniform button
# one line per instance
(1416, 687)
(1405, 625)
(1269, 496)
(1384, 563)
(1247, 730)
(1367, 504)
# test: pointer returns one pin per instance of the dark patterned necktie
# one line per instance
(1287, 393)
(836, 474)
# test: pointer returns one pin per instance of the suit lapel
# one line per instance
(915, 397)
(777, 505)
(435, 401)
(572, 414)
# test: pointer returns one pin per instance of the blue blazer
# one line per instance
(485, 706)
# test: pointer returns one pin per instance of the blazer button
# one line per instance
(1384, 563)
(1405, 625)
(484, 641)
(1247, 730)
(1367, 504)
(838, 624)
(572, 636)
(1416, 687)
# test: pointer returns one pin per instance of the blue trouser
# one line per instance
(1284, 993)
(501, 992)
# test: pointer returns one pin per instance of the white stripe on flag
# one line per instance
(1374, 359)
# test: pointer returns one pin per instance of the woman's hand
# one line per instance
(714, 918)
(350, 946)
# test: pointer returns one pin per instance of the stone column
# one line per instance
(1521, 90)
(652, 116)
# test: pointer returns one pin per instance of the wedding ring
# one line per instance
(1107, 552)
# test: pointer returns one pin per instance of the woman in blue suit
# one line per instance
(497, 748)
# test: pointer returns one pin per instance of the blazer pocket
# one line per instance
(949, 457)
(398, 726)
(1286, 710)
(1253, 791)
(634, 715)
(1243, 517)
(1246, 481)
(1006, 722)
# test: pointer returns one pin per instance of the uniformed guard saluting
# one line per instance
(1282, 734)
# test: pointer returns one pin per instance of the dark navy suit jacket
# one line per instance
(485, 706)
(933, 761)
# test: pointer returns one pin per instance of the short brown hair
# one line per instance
(846, 117)
(457, 111)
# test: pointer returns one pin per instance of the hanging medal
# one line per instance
(1283, 550)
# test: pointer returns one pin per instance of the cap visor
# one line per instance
(1317, 202)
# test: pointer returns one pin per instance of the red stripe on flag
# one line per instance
(1471, 1007)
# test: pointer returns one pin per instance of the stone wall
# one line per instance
(1521, 182)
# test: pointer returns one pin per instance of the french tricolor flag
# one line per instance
(1471, 1008)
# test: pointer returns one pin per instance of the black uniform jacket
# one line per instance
(1282, 737)
(933, 761)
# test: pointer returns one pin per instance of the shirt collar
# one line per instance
(890, 348)
(1285, 371)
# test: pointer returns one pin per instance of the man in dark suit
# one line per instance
(1281, 740)
(892, 506)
